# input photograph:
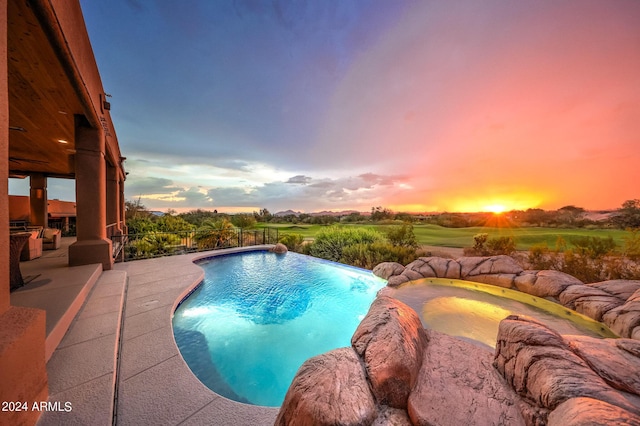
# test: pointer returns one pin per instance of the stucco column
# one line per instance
(113, 201)
(91, 246)
(38, 211)
(22, 330)
(4, 162)
(123, 222)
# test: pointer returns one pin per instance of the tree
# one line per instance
(263, 216)
(402, 236)
(534, 216)
(352, 217)
(629, 214)
(569, 215)
(243, 220)
(405, 217)
(134, 209)
(198, 217)
(379, 213)
(215, 234)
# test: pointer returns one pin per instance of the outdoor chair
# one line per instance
(51, 239)
(33, 247)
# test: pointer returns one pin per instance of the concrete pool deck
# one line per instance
(119, 363)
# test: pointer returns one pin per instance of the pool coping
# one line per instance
(155, 384)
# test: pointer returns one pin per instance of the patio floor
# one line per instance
(118, 362)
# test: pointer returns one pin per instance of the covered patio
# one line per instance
(55, 124)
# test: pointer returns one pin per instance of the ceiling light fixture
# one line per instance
(63, 141)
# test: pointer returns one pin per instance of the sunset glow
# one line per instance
(498, 204)
(495, 208)
(473, 105)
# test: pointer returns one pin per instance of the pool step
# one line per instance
(82, 370)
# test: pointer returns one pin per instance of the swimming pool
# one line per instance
(473, 311)
(258, 316)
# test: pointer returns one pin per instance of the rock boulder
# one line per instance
(391, 341)
(541, 367)
(386, 270)
(458, 386)
(502, 264)
(329, 389)
(592, 412)
(620, 288)
(552, 283)
(625, 318)
(617, 361)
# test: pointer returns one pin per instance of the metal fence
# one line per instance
(164, 243)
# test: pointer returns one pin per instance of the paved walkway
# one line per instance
(119, 363)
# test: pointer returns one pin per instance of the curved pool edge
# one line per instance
(202, 337)
(255, 410)
(194, 258)
(149, 362)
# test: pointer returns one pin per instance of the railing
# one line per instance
(165, 243)
(112, 229)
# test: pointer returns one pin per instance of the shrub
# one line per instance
(330, 242)
(243, 221)
(402, 236)
(631, 248)
(593, 247)
(540, 257)
(369, 255)
(478, 242)
(501, 245)
(591, 260)
(292, 241)
(584, 268)
(215, 234)
(485, 246)
(152, 244)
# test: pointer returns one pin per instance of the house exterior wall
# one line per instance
(22, 330)
(23, 375)
(4, 159)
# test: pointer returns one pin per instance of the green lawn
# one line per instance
(434, 235)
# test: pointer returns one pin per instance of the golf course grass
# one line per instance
(434, 235)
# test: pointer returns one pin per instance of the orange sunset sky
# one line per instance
(415, 106)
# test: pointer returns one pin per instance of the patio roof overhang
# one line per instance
(55, 123)
(53, 83)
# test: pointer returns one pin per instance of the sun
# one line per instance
(495, 208)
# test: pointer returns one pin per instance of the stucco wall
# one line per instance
(4, 161)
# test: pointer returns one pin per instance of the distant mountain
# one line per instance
(287, 213)
(332, 213)
(322, 213)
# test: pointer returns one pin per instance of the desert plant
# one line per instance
(152, 244)
(292, 241)
(631, 248)
(330, 243)
(478, 242)
(244, 221)
(402, 236)
(215, 234)
(369, 255)
(593, 247)
(501, 245)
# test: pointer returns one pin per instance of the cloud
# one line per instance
(301, 179)
(323, 105)
(149, 185)
(309, 193)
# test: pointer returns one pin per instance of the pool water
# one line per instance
(473, 311)
(258, 316)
